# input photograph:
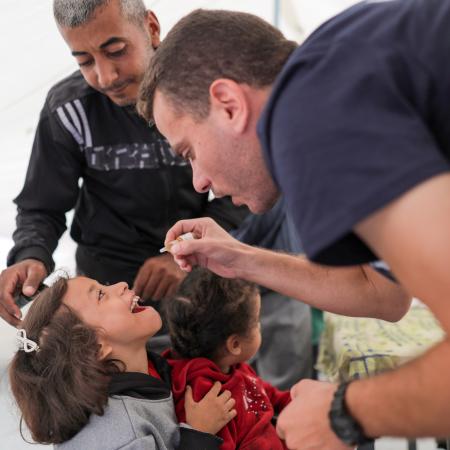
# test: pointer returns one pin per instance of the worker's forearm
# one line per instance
(352, 291)
(412, 401)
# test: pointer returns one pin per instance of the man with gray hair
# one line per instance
(133, 186)
(74, 13)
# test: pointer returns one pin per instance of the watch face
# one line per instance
(347, 429)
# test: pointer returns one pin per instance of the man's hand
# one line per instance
(304, 423)
(212, 247)
(212, 412)
(25, 275)
(158, 278)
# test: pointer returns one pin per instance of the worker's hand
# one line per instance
(158, 278)
(304, 423)
(212, 412)
(212, 247)
(25, 275)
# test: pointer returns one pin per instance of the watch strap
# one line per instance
(346, 428)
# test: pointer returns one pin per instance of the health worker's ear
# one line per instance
(230, 100)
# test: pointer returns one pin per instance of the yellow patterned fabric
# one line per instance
(357, 348)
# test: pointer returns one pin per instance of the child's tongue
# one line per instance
(138, 309)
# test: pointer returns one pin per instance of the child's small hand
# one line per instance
(212, 412)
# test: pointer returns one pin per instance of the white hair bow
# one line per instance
(25, 344)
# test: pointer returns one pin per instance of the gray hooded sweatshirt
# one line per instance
(140, 415)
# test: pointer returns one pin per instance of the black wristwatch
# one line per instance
(342, 423)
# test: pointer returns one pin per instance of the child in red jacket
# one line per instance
(214, 328)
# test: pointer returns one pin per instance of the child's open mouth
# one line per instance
(135, 306)
(138, 309)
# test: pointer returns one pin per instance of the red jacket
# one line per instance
(256, 401)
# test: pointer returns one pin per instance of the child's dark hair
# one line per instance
(206, 310)
(59, 386)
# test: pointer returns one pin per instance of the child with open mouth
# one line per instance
(83, 377)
